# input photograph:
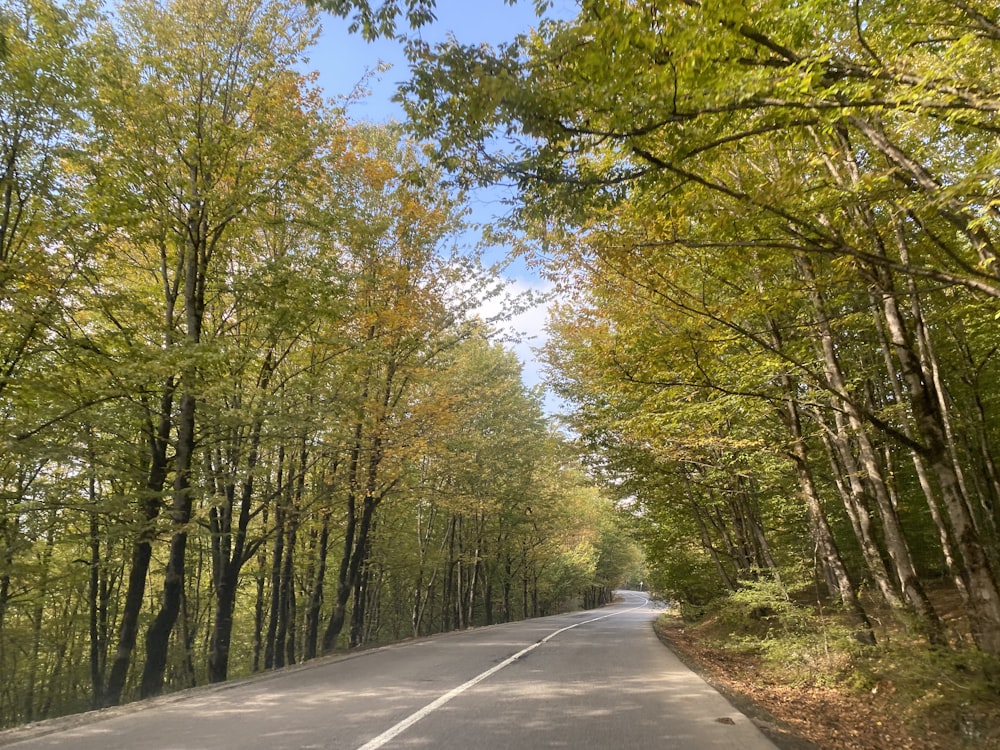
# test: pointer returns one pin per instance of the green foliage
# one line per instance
(776, 233)
(945, 694)
(958, 685)
(381, 20)
(800, 643)
(241, 363)
(767, 599)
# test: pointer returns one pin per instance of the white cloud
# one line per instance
(525, 330)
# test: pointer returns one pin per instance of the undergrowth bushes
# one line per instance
(951, 694)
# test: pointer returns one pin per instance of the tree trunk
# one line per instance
(311, 646)
(823, 539)
(422, 592)
(506, 605)
(258, 608)
(284, 646)
(142, 549)
(284, 594)
(706, 540)
(338, 614)
(919, 465)
(194, 261)
(919, 372)
(350, 570)
(488, 601)
(980, 580)
(360, 604)
(448, 584)
(228, 561)
(96, 603)
(847, 475)
(895, 540)
(277, 561)
(158, 635)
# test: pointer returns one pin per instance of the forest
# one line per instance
(250, 411)
(776, 228)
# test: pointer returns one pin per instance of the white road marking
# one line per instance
(409, 721)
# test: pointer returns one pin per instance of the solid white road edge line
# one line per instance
(409, 721)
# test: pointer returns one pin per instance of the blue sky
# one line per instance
(343, 60)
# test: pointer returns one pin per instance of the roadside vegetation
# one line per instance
(249, 413)
(795, 669)
(776, 230)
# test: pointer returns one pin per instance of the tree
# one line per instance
(237, 340)
(44, 101)
(206, 120)
(820, 137)
(402, 324)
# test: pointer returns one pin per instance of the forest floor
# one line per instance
(903, 696)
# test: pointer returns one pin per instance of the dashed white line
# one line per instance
(409, 721)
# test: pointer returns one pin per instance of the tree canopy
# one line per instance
(777, 228)
(243, 373)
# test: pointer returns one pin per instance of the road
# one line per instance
(597, 679)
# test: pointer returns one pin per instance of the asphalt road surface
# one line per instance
(597, 679)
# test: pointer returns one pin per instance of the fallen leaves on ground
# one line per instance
(799, 717)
